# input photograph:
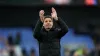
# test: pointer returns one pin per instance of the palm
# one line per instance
(41, 14)
(54, 13)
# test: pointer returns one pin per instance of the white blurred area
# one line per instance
(61, 2)
(58, 2)
(17, 50)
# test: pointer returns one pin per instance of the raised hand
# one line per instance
(54, 14)
(41, 14)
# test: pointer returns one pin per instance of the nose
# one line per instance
(47, 22)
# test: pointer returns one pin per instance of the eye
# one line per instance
(49, 21)
(45, 21)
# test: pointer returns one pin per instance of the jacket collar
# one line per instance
(52, 29)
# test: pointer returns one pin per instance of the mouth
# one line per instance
(48, 25)
(48, 28)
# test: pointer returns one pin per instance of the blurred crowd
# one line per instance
(12, 46)
(96, 37)
(79, 52)
(94, 31)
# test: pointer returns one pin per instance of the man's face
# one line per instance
(48, 23)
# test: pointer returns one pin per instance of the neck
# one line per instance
(47, 29)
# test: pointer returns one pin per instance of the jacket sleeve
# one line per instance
(63, 26)
(37, 30)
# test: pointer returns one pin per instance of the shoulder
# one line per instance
(58, 29)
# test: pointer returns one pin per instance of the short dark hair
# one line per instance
(48, 16)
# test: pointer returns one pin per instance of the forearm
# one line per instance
(37, 28)
(62, 24)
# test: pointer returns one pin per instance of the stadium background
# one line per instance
(82, 17)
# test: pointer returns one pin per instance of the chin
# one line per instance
(48, 28)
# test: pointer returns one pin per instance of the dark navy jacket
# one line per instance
(49, 41)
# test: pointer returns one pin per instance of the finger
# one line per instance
(53, 9)
(51, 14)
(42, 12)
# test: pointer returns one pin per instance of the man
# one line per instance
(17, 47)
(48, 34)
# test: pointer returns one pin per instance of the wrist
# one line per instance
(56, 18)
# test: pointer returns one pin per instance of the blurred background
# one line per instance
(18, 19)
